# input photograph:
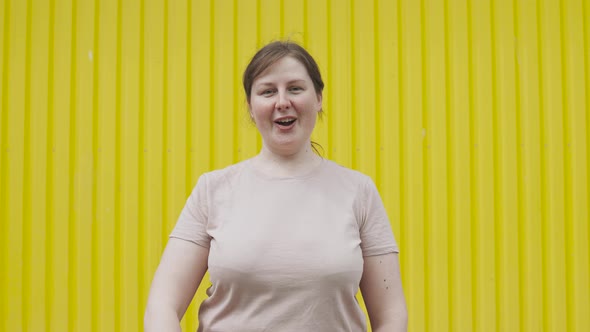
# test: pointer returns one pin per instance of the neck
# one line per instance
(295, 164)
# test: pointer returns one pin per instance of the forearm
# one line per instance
(392, 328)
(398, 325)
(161, 319)
(393, 321)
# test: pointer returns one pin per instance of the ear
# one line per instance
(250, 113)
(319, 104)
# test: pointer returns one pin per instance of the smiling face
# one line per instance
(284, 105)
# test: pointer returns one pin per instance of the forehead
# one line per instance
(286, 68)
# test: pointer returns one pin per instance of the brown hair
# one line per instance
(273, 52)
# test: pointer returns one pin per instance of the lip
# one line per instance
(285, 118)
(282, 127)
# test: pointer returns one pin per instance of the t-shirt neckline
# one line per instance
(311, 173)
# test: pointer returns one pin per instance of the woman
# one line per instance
(287, 236)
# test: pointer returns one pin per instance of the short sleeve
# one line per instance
(192, 222)
(375, 230)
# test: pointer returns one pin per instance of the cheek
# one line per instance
(309, 107)
(259, 109)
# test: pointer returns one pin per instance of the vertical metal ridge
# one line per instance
(258, 39)
(118, 226)
(568, 170)
(426, 213)
(330, 71)
(4, 152)
(377, 93)
(520, 185)
(498, 176)
(96, 176)
(49, 218)
(141, 228)
(212, 154)
(166, 149)
(402, 150)
(281, 19)
(586, 36)
(27, 173)
(450, 163)
(543, 195)
(73, 157)
(235, 73)
(473, 171)
(258, 45)
(305, 24)
(189, 100)
(353, 85)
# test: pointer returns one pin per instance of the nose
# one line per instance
(283, 102)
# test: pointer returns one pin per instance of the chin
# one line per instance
(286, 149)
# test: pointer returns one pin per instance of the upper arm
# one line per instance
(382, 292)
(178, 276)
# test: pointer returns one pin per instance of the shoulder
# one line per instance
(347, 175)
(359, 184)
(226, 174)
(219, 179)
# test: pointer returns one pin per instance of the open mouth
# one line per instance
(285, 122)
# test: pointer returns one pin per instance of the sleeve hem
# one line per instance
(206, 246)
(381, 251)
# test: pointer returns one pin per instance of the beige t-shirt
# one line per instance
(285, 254)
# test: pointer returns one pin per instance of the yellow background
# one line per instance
(472, 117)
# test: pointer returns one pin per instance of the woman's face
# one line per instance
(284, 105)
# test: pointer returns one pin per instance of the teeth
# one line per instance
(285, 120)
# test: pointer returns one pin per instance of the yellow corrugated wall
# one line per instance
(472, 116)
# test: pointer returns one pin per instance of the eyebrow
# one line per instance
(290, 82)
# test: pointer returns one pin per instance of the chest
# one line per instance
(289, 230)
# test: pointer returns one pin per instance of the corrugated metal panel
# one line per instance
(472, 117)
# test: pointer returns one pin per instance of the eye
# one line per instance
(267, 92)
(295, 89)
